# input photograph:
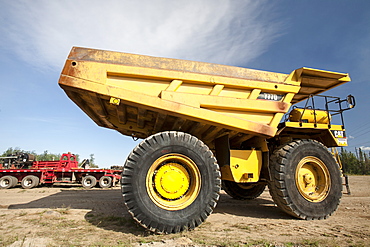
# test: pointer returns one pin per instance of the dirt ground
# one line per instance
(72, 216)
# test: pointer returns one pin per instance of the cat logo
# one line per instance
(340, 136)
(339, 133)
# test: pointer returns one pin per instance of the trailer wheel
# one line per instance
(30, 181)
(15, 181)
(306, 180)
(6, 182)
(88, 182)
(170, 182)
(242, 191)
(105, 182)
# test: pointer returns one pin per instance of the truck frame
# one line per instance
(207, 127)
(21, 168)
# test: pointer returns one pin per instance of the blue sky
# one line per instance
(36, 37)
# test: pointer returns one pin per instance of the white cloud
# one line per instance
(42, 32)
(363, 148)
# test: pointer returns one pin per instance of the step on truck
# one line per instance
(24, 169)
(207, 127)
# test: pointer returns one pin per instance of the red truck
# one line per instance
(23, 168)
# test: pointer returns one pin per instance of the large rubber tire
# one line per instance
(6, 182)
(105, 182)
(15, 181)
(305, 180)
(243, 191)
(30, 181)
(171, 182)
(88, 182)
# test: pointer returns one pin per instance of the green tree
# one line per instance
(92, 162)
(358, 163)
(15, 150)
(45, 156)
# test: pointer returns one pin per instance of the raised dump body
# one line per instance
(140, 95)
(208, 126)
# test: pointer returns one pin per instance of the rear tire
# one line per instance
(88, 182)
(242, 191)
(30, 181)
(105, 182)
(6, 182)
(170, 182)
(306, 180)
(15, 181)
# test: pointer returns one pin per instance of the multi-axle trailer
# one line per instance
(22, 168)
(207, 127)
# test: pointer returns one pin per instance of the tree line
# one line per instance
(45, 156)
(357, 163)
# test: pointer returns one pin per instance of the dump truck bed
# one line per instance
(141, 95)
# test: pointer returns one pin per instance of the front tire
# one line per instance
(305, 180)
(171, 182)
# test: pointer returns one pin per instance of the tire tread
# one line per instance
(277, 186)
(133, 160)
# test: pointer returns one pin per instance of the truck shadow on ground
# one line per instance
(107, 210)
(262, 207)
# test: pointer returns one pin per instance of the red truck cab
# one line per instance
(66, 161)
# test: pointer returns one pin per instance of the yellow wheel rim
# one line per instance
(313, 179)
(173, 182)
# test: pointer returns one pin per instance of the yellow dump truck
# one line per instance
(207, 127)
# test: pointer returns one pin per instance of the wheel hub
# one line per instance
(312, 179)
(172, 181)
(308, 178)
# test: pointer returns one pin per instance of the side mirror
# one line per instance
(351, 101)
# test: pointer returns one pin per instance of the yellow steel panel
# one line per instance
(278, 116)
(254, 94)
(174, 85)
(276, 119)
(140, 82)
(315, 81)
(182, 98)
(120, 58)
(234, 104)
(312, 126)
(195, 88)
(257, 117)
(127, 71)
(176, 109)
(151, 86)
(245, 166)
(216, 90)
(236, 93)
(310, 116)
(324, 73)
(244, 105)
